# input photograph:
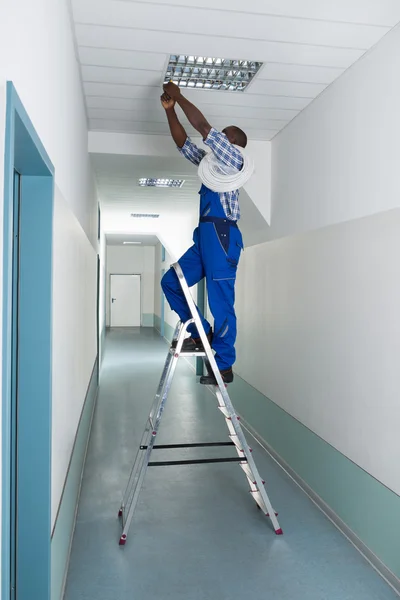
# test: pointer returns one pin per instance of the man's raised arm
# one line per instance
(194, 116)
(178, 133)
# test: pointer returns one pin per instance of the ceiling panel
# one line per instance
(200, 97)
(245, 121)
(203, 45)
(372, 12)
(124, 59)
(226, 24)
(124, 46)
(300, 73)
(142, 109)
(265, 87)
(122, 76)
(162, 129)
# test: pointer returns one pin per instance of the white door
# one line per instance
(125, 300)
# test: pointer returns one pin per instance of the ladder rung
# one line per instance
(196, 445)
(198, 461)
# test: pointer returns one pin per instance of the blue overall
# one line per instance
(214, 255)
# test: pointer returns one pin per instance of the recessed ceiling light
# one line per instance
(144, 216)
(211, 73)
(126, 243)
(154, 182)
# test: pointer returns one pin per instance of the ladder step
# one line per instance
(225, 412)
(258, 498)
(249, 472)
(235, 440)
(186, 354)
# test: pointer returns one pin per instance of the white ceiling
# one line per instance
(118, 239)
(117, 182)
(124, 46)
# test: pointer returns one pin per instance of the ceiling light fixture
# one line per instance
(156, 182)
(211, 73)
(144, 216)
(129, 243)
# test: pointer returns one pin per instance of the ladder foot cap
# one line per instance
(279, 531)
(120, 512)
(122, 540)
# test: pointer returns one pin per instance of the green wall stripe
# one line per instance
(366, 506)
(147, 320)
(65, 521)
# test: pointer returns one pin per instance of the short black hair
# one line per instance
(241, 137)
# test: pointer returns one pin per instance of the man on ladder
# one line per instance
(217, 240)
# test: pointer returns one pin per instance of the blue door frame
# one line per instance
(26, 357)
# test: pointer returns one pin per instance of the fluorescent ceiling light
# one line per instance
(126, 243)
(210, 73)
(155, 182)
(144, 216)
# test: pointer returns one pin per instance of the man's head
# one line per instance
(235, 136)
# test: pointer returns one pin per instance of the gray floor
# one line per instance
(196, 533)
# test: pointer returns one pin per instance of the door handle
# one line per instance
(113, 300)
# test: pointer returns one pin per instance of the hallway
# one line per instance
(196, 534)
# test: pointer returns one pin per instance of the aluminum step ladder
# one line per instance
(237, 439)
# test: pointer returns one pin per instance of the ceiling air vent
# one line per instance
(203, 72)
(144, 216)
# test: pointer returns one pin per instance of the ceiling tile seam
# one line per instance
(272, 62)
(257, 14)
(224, 37)
(208, 91)
(254, 79)
(156, 100)
(212, 117)
(190, 131)
(97, 130)
(84, 64)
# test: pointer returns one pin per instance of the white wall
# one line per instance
(102, 289)
(339, 158)
(320, 312)
(74, 334)
(37, 54)
(132, 260)
(319, 304)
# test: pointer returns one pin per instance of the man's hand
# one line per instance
(167, 102)
(172, 90)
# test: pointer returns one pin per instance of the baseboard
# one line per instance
(64, 526)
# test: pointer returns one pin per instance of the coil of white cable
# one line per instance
(222, 178)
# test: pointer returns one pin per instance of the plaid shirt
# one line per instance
(225, 153)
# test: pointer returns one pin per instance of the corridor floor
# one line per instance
(196, 533)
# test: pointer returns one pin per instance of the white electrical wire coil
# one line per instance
(222, 178)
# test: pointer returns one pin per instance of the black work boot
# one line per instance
(227, 377)
(193, 344)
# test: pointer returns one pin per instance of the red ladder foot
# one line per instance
(122, 540)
